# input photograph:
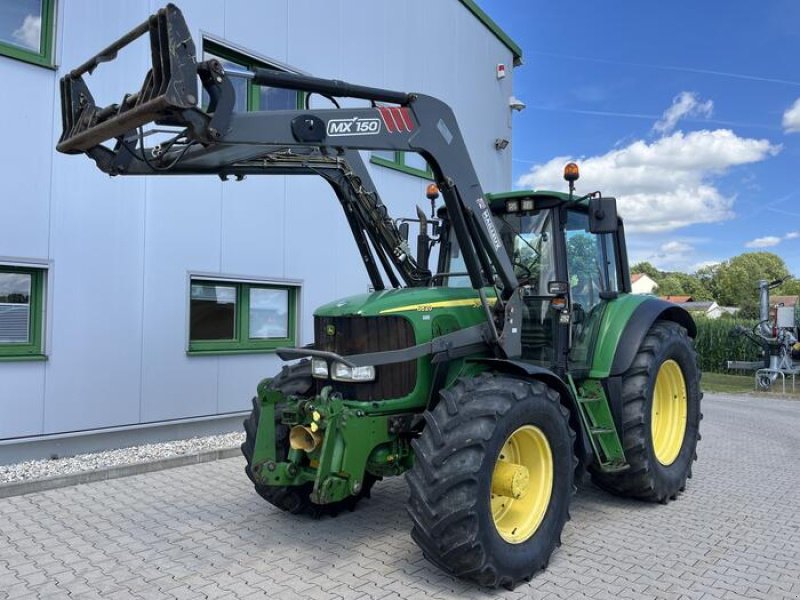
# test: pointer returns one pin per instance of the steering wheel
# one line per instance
(528, 275)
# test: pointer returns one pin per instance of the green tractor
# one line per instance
(493, 366)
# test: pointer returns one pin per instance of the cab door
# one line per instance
(593, 273)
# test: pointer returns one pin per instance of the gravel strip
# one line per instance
(38, 469)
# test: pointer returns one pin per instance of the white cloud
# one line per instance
(771, 240)
(791, 118)
(669, 252)
(30, 32)
(676, 247)
(764, 242)
(662, 185)
(685, 104)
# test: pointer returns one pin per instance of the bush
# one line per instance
(717, 343)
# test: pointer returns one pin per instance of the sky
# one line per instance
(21, 24)
(687, 112)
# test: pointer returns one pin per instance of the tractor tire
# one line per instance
(296, 499)
(492, 480)
(660, 417)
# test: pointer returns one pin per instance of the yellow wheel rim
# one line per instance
(668, 421)
(522, 483)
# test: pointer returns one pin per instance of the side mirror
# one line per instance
(404, 231)
(602, 215)
(558, 288)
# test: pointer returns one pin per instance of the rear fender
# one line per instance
(625, 324)
(640, 323)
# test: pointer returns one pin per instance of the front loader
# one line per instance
(491, 379)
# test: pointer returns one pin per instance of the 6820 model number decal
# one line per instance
(354, 126)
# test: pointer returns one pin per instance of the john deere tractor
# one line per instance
(491, 366)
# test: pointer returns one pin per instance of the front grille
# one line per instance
(358, 335)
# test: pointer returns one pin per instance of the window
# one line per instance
(237, 317)
(26, 30)
(21, 312)
(591, 261)
(249, 96)
(407, 162)
(592, 269)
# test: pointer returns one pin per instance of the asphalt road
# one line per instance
(200, 531)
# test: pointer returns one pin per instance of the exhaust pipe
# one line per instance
(302, 438)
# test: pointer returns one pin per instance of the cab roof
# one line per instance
(496, 200)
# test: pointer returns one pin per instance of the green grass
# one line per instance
(720, 382)
(733, 384)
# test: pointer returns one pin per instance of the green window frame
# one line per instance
(399, 163)
(248, 62)
(241, 341)
(44, 57)
(32, 349)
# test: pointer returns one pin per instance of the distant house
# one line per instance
(642, 283)
(678, 299)
(708, 309)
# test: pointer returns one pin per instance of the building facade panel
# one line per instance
(22, 399)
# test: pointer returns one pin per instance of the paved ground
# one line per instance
(200, 531)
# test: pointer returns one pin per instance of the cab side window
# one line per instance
(591, 261)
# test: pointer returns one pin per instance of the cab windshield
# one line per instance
(529, 241)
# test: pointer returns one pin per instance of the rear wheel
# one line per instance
(292, 380)
(661, 417)
(492, 479)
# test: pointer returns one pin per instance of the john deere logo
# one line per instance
(330, 330)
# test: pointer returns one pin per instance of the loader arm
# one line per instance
(218, 141)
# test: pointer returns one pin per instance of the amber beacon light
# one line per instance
(571, 172)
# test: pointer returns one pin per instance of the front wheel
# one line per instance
(492, 479)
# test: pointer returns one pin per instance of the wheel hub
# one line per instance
(522, 483)
(510, 480)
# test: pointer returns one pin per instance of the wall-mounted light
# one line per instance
(500, 144)
(515, 103)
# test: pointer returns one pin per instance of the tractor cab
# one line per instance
(570, 260)
(566, 267)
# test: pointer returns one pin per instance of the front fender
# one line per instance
(526, 370)
(625, 323)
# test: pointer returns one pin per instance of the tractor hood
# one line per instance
(404, 300)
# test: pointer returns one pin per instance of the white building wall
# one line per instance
(644, 285)
(120, 250)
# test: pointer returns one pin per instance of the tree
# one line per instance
(708, 278)
(737, 279)
(695, 287)
(790, 287)
(671, 285)
(648, 269)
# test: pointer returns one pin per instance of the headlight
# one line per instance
(319, 368)
(342, 372)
